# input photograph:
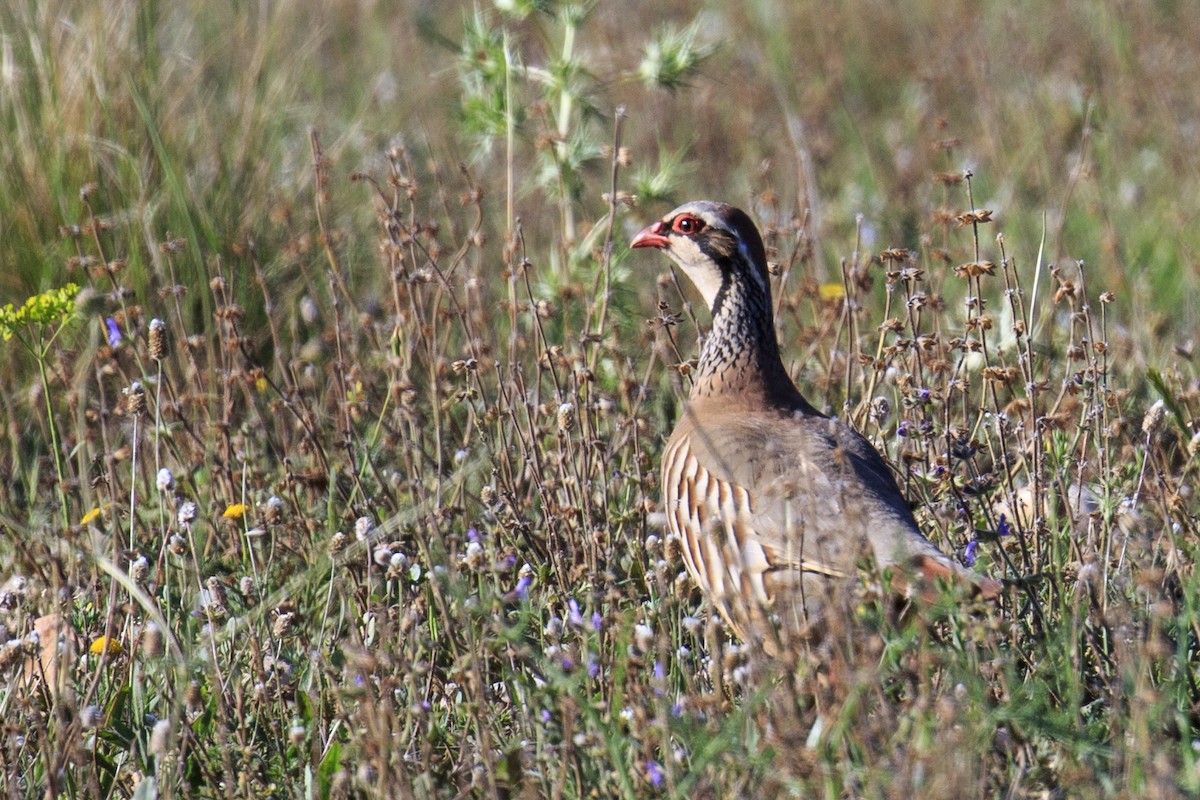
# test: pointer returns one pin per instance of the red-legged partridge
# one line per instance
(775, 503)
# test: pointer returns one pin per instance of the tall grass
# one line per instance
(341, 477)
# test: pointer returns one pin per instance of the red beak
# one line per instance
(651, 237)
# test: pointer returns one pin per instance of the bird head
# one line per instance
(714, 243)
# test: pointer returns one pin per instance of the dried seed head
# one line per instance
(152, 640)
(194, 696)
(643, 638)
(158, 339)
(382, 556)
(337, 543)
(216, 590)
(1153, 421)
(160, 738)
(566, 417)
(283, 623)
(881, 407)
(362, 528)
(138, 569)
(474, 558)
(187, 513)
(135, 399)
(274, 511)
(90, 717)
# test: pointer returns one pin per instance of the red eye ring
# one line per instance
(686, 224)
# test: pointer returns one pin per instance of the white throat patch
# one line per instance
(699, 268)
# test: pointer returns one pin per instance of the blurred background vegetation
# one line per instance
(1081, 122)
(388, 241)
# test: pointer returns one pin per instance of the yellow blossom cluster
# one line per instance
(51, 306)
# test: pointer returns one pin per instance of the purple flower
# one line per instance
(573, 615)
(1003, 529)
(545, 715)
(971, 553)
(659, 672)
(567, 664)
(522, 589)
(114, 331)
(472, 535)
(593, 667)
(597, 621)
(654, 773)
(902, 428)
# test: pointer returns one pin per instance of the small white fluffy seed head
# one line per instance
(138, 569)
(274, 510)
(90, 717)
(397, 563)
(362, 528)
(160, 738)
(308, 310)
(643, 637)
(166, 480)
(474, 558)
(187, 513)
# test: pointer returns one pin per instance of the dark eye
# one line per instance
(687, 225)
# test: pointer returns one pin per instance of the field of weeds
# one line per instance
(331, 423)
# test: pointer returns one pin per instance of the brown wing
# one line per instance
(764, 501)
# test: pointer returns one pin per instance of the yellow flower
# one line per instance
(832, 291)
(92, 515)
(54, 305)
(105, 644)
(234, 511)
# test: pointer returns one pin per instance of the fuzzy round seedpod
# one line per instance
(337, 543)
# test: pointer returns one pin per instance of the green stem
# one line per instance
(40, 355)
